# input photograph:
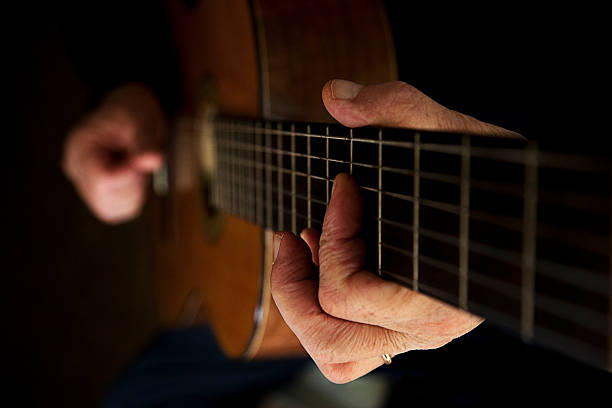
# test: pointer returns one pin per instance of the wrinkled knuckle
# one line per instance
(331, 301)
(323, 353)
(405, 87)
(398, 342)
(319, 347)
(329, 254)
(406, 96)
(407, 91)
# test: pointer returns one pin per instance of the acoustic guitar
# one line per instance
(502, 228)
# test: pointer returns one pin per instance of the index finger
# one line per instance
(350, 292)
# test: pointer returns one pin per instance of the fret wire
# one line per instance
(235, 173)
(287, 171)
(229, 195)
(308, 180)
(251, 154)
(581, 316)
(415, 213)
(244, 208)
(464, 223)
(221, 192)
(556, 270)
(243, 205)
(238, 159)
(592, 202)
(268, 142)
(219, 168)
(529, 241)
(571, 312)
(238, 175)
(293, 219)
(251, 200)
(421, 174)
(329, 136)
(216, 198)
(379, 202)
(351, 152)
(587, 202)
(556, 307)
(252, 137)
(261, 186)
(236, 170)
(298, 173)
(592, 243)
(327, 163)
(259, 177)
(279, 180)
(232, 169)
(236, 180)
(227, 149)
(515, 155)
(507, 256)
(439, 293)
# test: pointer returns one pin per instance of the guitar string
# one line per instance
(557, 160)
(583, 201)
(587, 203)
(507, 255)
(584, 240)
(568, 161)
(424, 232)
(487, 250)
(593, 244)
(379, 217)
(596, 321)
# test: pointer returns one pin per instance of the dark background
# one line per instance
(539, 72)
(79, 291)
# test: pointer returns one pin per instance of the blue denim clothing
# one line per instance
(186, 368)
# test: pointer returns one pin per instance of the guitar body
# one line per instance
(265, 58)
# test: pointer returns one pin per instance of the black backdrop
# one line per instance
(540, 73)
(537, 72)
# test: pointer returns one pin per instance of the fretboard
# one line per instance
(498, 227)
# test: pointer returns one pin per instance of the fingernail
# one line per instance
(278, 237)
(342, 89)
(335, 183)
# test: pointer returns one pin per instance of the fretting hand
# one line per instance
(110, 154)
(348, 318)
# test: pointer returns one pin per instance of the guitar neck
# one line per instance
(498, 227)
